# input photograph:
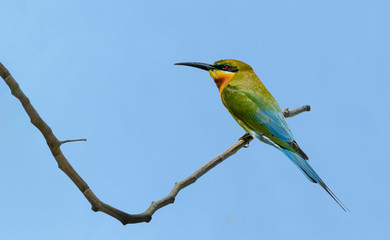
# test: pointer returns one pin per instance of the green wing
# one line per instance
(258, 112)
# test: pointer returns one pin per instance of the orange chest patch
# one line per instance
(221, 78)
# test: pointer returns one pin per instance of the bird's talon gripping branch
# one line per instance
(246, 137)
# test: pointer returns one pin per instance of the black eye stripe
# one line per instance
(226, 67)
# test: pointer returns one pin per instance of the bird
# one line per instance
(257, 112)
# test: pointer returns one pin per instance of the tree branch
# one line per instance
(291, 113)
(74, 140)
(97, 205)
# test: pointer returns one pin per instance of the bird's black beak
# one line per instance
(203, 66)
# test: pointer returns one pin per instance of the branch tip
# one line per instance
(4, 73)
(74, 140)
(291, 113)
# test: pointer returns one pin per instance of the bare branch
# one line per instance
(291, 113)
(74, 140)
(97, 205)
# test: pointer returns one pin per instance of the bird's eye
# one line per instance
(224, 67)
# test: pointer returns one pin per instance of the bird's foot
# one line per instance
(246, 138)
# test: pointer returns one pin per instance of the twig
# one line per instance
(291, 113)
(74, 140)
(97, 205)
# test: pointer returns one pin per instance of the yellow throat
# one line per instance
(221, 78)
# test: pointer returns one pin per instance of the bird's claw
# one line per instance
(246, 138)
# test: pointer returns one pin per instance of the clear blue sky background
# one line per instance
(104, 71)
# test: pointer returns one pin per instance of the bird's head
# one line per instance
(221, 71)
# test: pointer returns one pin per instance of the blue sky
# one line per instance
(104, 71)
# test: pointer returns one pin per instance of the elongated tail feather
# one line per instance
(303, 165)
(309, 172)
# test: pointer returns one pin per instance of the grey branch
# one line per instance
(74, 140)
(97, 205)
(291, 113)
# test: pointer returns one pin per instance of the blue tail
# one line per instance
(303, 165)
(309, 172)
